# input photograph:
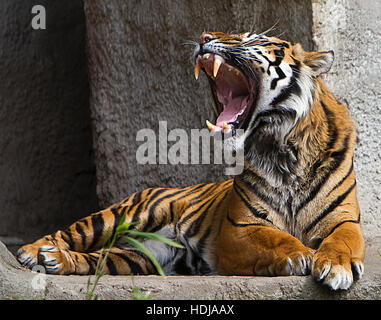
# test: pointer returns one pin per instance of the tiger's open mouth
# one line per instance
(234, 92)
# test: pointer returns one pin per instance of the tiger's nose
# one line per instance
(205, 37)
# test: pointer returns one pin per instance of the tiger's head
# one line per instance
(262, 85)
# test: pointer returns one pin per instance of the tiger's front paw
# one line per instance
(28, 255)
(54, 260)
(297, 263)
(335, 271)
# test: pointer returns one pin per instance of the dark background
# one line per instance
(47, 169)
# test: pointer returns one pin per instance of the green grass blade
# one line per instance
(156, 237)
(122, 228)
(144, 249)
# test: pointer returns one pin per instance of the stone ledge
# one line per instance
(16, 282)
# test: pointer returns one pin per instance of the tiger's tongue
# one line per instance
(235, 106)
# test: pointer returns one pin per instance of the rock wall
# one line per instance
(47, 167)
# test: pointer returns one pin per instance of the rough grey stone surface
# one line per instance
(19, 283)
(142, 73)
(46, 164)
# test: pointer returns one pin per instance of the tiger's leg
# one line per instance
(338, 254)
(245, 249)
(119, 261)
(152, 208)
(89, 233)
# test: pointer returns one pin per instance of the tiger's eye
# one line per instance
(208, 39)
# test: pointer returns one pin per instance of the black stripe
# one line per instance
(332, 130)
(195, 227)
(171, 213)
(292, 88)
(98, 226)
(253, 187)
(151, 213)
(117, 217)
(241, 225)
(338, 158)
(262, 117)
(94, 257)
(334, 204)
(187, 192)
(147, 261)
(207, 203)
(139, 209)
(284, 44)
(203, 196)
(279, 55)
(342, 180)
(136, 216)
(84, 220)
(339, 224)
(66, 236)
(201, 243)
(111, 266)
(194, 189)
(90, 263)
(149, 191)
(205, 267)
(135, 267)
(253, 210)
(79, 229)
(205, 193)
(136, 198)
(281, 75)
(155, 195)
(266, 43)
(197, 224)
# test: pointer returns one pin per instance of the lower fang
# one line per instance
(226, 126)
(212, 127)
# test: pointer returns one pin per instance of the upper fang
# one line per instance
(197, 68)
(216, 65)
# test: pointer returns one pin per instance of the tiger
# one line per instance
(293, 209)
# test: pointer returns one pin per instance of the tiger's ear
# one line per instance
(319, 62)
